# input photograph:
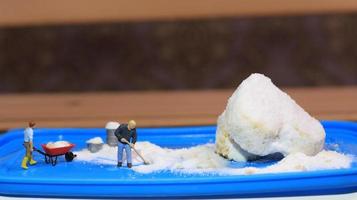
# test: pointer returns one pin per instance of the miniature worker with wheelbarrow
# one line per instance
(28, 143)
(126, 134)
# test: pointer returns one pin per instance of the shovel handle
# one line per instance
(132, 146)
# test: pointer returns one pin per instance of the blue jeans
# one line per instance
(127, 152)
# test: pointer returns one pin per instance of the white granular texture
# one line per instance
(95, 140)
(57, 144)
(260, 119)
(203, 159)
(112, 125)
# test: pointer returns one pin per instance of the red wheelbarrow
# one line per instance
(51, 154)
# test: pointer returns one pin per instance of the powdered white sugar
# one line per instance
(95, 140)
(57, 144)
(112, 125)
(260, 119)
(203, 159)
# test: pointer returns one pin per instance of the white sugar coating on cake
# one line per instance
(95, 140)
(261, 119)
(57, 144)
(203, 159)
(112, 125)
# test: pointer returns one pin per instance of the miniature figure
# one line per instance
(28, 143)
(126, 134)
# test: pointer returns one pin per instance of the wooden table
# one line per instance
(37, 12)
(156, 108)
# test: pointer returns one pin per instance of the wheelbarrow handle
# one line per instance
(39, 151)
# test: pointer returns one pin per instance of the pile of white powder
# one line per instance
(203, 159)
(57, 144)
(95, 140)
(259, 120)
(112, 125)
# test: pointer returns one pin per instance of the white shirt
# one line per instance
(28, 134)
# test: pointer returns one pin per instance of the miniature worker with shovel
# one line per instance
(126, 134)
(28, 143)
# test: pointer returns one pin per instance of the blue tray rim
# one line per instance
(351, 174)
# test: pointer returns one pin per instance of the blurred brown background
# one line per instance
(168, 62)
(195, 53)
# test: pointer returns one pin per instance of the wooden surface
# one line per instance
(156, 108)
(38, 12)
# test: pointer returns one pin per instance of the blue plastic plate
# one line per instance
(86, 180)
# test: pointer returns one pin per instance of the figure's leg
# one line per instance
(24, 163)
(120, 154)
(26, 158)
(32, 161)
(128, 155)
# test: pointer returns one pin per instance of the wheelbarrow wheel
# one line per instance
(53, 160)
(69, 156)
(47, 159)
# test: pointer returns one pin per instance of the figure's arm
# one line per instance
(134, 136)
(117, 133)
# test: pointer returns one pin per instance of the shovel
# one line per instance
(132, 146)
